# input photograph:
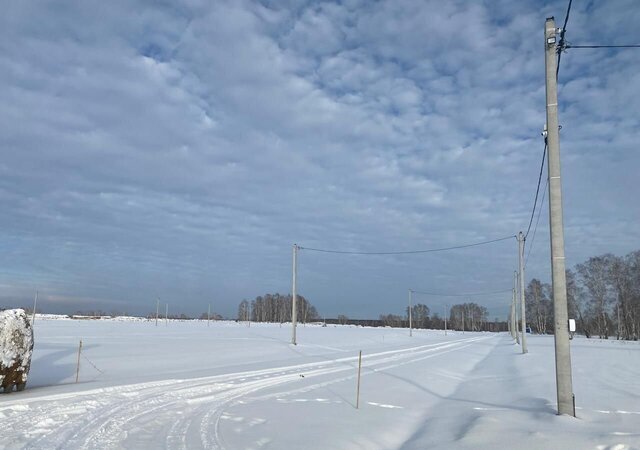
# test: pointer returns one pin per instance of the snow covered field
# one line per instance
(187, 385)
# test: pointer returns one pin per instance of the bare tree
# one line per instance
(539, 306)
(594, 275)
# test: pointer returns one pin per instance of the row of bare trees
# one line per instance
(419, 317)
(468, 316)
(603, 295)
(276, 308)
(465, 316)
(606, 297)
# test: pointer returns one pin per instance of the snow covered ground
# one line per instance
(187, 385)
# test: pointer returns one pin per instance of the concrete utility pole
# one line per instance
(515, 307)
(410, 323)
(209, 314)
(566, 400)
(511, 330)
(166, 314)
(294, 310)
(157, 309)
(445, 320)
(523, 312)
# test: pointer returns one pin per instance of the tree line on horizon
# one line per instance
(462, 316)
(603, 296)
(276, 308)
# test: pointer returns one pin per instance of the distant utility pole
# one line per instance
(410, 323)
(166, 314)
(33, 315)
(566, 400)
(445, 320)
(523, 312)
(157, 310)
(514, 306)
(509, 321)
(294, 311)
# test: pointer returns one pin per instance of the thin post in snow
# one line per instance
(157, 309)
(78, 365)
(209, 314)
(33, 316)
(358, 386)
(166, 314)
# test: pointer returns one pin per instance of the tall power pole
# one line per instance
(294, 310)
(523, 310)
(566, 403)
(410, 324)
(157, 309)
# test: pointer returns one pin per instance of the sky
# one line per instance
(178, 150)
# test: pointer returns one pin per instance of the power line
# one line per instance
(473, 294)
(603, 46)
(535, 201)
(537, 220)
(561, 44)
(432, 250)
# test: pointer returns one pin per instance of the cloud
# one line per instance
(182, 149)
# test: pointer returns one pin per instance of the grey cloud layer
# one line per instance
(180, 150)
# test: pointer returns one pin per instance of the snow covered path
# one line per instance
(472, 390)
(174, 413)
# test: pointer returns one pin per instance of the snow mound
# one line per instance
(16, 346)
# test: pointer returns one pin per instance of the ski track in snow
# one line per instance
(176, 414)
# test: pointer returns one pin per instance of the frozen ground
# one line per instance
(187, 385)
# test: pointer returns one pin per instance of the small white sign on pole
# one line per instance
(572, 325)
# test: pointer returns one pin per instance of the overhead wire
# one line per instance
(472, 294)
(603, 46)
(432, 250)
(561, 44)
(535, 201)
(535, 228)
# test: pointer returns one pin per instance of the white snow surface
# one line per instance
(189, 385)
(15, 339)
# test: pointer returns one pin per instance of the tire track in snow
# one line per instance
(186, 412)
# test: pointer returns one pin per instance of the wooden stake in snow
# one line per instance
(33, 316)
(78, 366)
(358, 387)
